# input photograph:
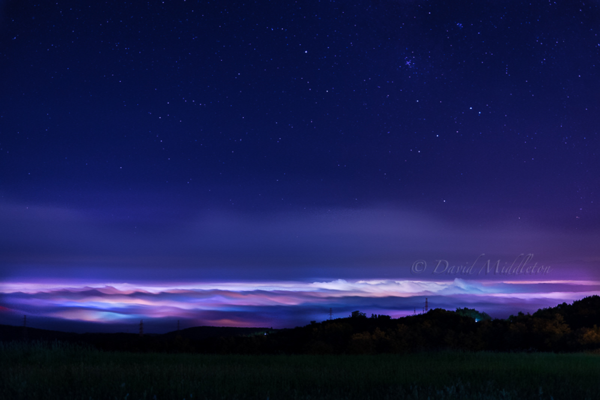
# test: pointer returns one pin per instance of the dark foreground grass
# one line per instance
(65, 371)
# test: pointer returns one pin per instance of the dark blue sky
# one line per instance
(484, 105)
(296, 140)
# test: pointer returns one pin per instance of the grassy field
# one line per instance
(61, 371)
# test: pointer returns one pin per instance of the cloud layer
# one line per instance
(272, 304)
(379, 243)
(79, 269)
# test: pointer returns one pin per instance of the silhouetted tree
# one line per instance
(476, 315)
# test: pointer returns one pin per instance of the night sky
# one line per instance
(258, 163)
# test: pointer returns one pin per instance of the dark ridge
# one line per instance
(205, 332)
(9, 333)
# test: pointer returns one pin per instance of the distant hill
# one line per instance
(205, 332)
(107, 340)
(9, 333)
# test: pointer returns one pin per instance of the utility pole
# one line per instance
(330, 313)
(25, 327)
(141, 328)
(426, 305)
(177, 325)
